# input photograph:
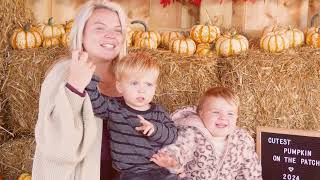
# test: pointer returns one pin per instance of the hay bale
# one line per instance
(16, 157)
(277, 90)
(13, 14)
(26, 71)
(183, 78)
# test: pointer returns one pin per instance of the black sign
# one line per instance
(289, 154)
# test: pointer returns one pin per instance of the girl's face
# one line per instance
(102, 37)
(219, 116)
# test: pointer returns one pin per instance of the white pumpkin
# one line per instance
(231, 44)
(274, 42)
(294, 36)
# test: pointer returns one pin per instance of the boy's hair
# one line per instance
(135, 63)
(223, 92)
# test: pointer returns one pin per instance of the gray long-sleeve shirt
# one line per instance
(130, 149)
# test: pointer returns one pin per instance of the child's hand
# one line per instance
(147, 128)
(164, 160)
(80, 70)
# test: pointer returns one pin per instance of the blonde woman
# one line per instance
(68, 135)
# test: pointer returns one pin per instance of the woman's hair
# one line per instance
(76, 34)
(223, 92)
(135, 63)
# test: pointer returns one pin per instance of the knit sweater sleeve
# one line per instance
(165, 129)
(250, 166)
(183, 149)
(66, 127)
(100, 104)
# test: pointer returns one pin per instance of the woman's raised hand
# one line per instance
(80, 70)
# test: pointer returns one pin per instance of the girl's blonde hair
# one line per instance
(76, 34)
(135, 63)
(223, 92)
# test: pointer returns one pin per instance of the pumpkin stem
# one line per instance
(26, 27)
(50, 21)
(314, 17)
(140, 22)
(207, 14)
(233, 31)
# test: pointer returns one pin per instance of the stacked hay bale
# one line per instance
(16, 157)
(182, 78)
(276, 90)
(13, 14)
(26, 71)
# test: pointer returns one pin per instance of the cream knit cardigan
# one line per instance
(68, 135)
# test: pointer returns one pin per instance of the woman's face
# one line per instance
(102, 37)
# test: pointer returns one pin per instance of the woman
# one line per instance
(68, 135)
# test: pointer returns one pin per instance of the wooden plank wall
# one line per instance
(249, 18)
(174, 16)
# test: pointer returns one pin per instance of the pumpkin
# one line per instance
(204, 49)
(146, 42)
(313, 38)
(294, 36)
(183, 46)
(68, 25)
(50, 42)
(146, 34)
(274, 42)
(25, 176)
(204, 33)
(231, 44)
(166, 37)
(65, 39)
(51, 30)
(26, 37)
(273, 28)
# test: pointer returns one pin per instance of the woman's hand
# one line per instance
(80, 70)
(164, 160)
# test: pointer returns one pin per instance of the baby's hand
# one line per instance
(164, 160)
(80, 70)
(146, 128)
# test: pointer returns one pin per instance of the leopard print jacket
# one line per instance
(196, 155)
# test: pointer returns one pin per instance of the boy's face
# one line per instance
(219, 116)
(138, 89)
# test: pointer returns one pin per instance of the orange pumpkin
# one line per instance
(65, 39)
(183, 46)
(204, 33)
(205, 49)
(26, 37)
(51, 30)
(146, 33)
(50, 42)
(25, 176)
(68, 25)
(313, 38)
